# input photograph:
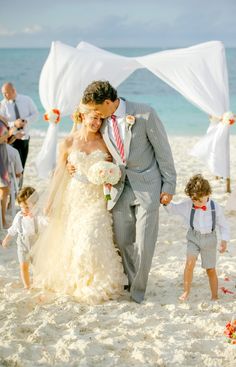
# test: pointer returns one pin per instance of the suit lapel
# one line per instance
(128, 130)
(110, 146)
(127, 139)
(128, 136)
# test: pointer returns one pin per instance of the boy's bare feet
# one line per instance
(215, 298)
(184, 296)
(5, 225)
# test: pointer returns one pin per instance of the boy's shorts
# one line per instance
(205, 244)
(23, 254)
(24, 248)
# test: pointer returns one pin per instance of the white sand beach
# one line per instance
(44, 330)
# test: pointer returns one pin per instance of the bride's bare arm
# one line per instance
(64, 150)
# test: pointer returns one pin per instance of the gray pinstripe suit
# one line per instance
(135, 202)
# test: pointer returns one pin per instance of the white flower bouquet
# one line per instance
(106, 174)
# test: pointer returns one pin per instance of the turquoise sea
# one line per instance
(23, 66)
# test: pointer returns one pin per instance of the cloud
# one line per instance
(120, 30)
(151, 23)
(4, 32)
(33, 29)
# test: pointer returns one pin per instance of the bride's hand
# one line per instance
(109, 157)
(70, 168)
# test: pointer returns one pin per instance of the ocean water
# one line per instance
(23, 66)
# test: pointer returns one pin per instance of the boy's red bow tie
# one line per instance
(200, 207)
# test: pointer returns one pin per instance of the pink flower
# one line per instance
(130, 120)
(102, 173)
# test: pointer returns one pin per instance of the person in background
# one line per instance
(15, 170)
(20, 111)
(14, 162)
(4, 174)
(6, 137)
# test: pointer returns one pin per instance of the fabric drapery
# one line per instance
(199, 73)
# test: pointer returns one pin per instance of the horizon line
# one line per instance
(105, 47)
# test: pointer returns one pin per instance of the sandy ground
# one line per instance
(39, 330)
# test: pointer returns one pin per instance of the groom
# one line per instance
(138, 143)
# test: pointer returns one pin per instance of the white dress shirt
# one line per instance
(27, 110)
(120, 118)
(202, 221)
(28, 227)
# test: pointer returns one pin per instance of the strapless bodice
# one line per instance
(83, 161)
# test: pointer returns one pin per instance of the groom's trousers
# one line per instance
(135, 232)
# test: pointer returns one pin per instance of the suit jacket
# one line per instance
(149, 163)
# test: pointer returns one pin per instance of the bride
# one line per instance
(76, 254)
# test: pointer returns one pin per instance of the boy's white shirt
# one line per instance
(27, 225)
(202, 219)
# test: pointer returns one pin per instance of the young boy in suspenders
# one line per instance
(202, 215)
(26, 226)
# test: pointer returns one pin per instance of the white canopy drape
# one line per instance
(199, 73)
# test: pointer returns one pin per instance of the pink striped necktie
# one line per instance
(118, 140)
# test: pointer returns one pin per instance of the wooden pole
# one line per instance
(228, 188)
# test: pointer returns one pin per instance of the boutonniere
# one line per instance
(130, 121)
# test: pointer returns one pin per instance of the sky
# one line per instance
(121, 23)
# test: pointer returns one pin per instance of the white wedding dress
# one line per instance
(76, 254)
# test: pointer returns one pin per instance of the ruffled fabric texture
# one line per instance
(76, 254)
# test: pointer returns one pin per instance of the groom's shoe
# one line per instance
(127, 287)
(137, 296)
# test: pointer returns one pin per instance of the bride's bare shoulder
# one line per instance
(67, 142)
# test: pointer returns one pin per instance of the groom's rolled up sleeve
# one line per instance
(158, 138)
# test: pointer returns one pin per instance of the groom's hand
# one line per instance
(70, 168)
(165, 198)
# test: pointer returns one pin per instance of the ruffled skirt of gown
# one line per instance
(76, 255)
